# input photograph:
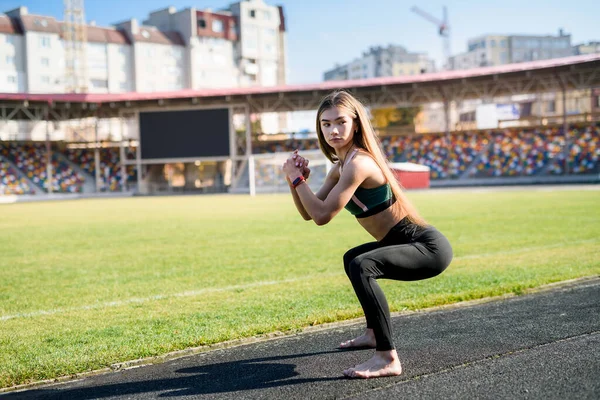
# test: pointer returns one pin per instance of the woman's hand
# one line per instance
(290, 169)
(295, 166)
(301, 163)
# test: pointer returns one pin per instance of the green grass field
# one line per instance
(88, 283)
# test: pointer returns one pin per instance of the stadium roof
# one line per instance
(577, 72)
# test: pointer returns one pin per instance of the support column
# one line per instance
(565, 128)
(97, 156)
(49, 177)
(138, 155)
(446, 110)
(231, 164)
(123, 156)
(251, 173)
(446, 116)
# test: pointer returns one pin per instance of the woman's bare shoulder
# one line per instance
(363, 159)
(364, 165)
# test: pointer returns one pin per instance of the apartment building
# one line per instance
(586, 48)
(382, 61)
(12, 58)
(490, 50)
(243, 45)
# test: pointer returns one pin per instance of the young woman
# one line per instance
(406, 247)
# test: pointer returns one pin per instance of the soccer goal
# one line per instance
(261, 173)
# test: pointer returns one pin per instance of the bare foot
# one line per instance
(383, 363)
(367, 340)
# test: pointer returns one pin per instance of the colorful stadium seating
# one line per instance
(110, 168)
(499, 153)
(31, 160)
(11, 183)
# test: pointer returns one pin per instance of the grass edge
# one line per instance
(174, 355)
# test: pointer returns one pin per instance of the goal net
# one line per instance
(261, 173)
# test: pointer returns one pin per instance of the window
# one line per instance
(10, 39)
(11, 79)
(252, 13)
(216, 44)
(176, 52)
(123, 85)
(202, 23)
(45, 79)
(251, 43)
(100, 83)
(517, 57)
(492, 43)
(267, 15)
(503, 43)
(551, 106)
(45, 42)
(98, 64)
(250, 37)
(45, 62)
(217, 25)
(10, 60)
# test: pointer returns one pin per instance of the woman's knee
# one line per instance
(360, 268)
(349, 256)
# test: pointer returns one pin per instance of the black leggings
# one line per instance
(408, 252)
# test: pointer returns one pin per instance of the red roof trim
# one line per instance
(328, 85)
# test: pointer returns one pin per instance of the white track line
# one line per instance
(192, 293)
(138, 300)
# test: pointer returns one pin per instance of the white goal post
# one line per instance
(262, 172)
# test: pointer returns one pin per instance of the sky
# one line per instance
(323, 33)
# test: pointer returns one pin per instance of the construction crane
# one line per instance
(443, 31)
(75, 42)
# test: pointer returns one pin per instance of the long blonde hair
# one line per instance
(365, 139)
